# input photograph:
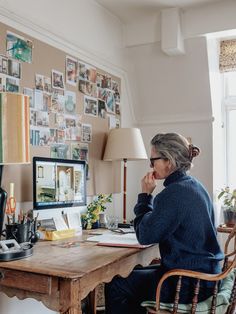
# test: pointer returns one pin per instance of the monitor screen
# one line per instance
(58, 183)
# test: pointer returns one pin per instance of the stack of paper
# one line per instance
(120, 240)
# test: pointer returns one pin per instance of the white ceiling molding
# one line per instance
(26, 26)
(174, 119)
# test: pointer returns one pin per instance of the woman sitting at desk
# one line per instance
(180, 219)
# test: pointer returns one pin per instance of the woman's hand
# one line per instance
(148, 183)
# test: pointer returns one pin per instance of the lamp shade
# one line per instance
(125, 143)
(14, 128)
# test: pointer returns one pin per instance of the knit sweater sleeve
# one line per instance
(155, 222)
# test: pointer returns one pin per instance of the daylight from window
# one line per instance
(229, 107)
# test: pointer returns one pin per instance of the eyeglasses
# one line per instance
(153, 159)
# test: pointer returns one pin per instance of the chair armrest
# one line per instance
(189, 274)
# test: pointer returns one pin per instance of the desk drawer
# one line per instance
(25, 281)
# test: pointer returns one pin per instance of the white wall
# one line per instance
(173, 95)
(171, 88)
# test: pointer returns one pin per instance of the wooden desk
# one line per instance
(62, 277)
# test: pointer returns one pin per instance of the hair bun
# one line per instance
(194, 151)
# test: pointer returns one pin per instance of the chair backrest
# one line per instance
(228, 265)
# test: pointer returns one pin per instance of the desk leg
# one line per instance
(93, 301)
(70, 301)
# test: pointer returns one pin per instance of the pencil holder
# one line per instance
(20, 232)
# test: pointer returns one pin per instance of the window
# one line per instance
(229, 108)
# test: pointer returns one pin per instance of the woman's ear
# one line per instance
(170, 166)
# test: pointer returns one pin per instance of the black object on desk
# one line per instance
(123, 225)
(10, 250)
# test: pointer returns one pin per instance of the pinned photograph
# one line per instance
(14, 68)
(38, 100)
(59, 151)
(52, 136)
(58, 103)
(2, 83)
(86, 133)
(39, 82)
(117, 109)
(70, 102)
(43, 137)
(60, 121)
(57, 80)
(117, 123)
(60, 136)
(71, 70)
(47, 101)
(88, 88)
(79, 151)
(70, 123)
(33, 119)
(101, 93)
(114, 86)
(112, 121)
(87, 72)
(3, 64)
(19, 47)
(107, 82)
(29, 92)
(47, 85)
(73, 134)
(90, 106)
(100, 80)
(12, 85)
(101, 109)
(42, 118)
(110, 101)
(34, 137)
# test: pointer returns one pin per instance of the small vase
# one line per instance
(102, 220)
(229, 217)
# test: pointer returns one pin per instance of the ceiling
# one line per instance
(127, 10)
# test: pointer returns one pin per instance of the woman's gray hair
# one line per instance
(176, 149)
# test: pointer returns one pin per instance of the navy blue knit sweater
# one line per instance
(181, 220)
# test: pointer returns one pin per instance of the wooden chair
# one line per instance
(227, 275)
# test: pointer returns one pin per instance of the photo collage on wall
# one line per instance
(54, 118)
(101, 94)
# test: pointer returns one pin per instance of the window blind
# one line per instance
(227, 60)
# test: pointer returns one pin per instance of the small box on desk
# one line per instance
(56, 234)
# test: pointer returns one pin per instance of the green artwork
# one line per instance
(19, 48)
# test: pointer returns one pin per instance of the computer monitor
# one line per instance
(58, 183)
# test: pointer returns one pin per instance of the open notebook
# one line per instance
(119, 240)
